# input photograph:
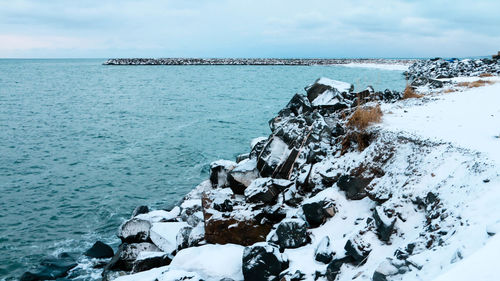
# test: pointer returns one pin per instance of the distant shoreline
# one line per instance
(250, 61)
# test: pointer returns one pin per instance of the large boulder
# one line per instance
(262, 190)
(358, 250)
(160, 215)
(274, 153)
(316, 213)
(219, 171)
(100, 250)
(354, 187)
(242, 175)
(183, 237)
(334, 267)
(134, 230)
(51, 268)
(164, 235)
(262, 262)
(324, 252)
(127, 254)
(149, 260)
(322, 85)
(290, 233)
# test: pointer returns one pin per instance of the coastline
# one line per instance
(232, 198)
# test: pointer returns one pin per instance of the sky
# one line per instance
(257, 28)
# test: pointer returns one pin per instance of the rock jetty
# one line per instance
(245, 61)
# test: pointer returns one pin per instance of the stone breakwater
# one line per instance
(246, 61)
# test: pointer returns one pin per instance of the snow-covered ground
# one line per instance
(384, 66)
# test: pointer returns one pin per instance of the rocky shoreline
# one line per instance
(248, 61)
(323, 197)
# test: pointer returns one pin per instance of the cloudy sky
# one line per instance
(257, 28)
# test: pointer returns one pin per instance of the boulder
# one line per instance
(127, 254)
(160, 215)
(290, 233)
(324, 252)
(196, 236)
(134, 230)
(389, 268)
(333, 268)
(299, 104)
(100, 250)
(164, 235)
(315, 213)
(263, 262)
(223, 205)
(51, 268)
(149, 260)
(322, 85)
(274, 153)
(140, 210)
(182, 237)
(262, 190)
(358, 250)
(218, 172)
(242, 175)
(354, 187)
(384, 224)
(257, 145)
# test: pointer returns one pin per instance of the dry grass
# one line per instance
(475, 84)
(486, 75)
(450, 90)
(363, 117)
(410, 93)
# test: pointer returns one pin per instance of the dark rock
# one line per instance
(219, 171)
(354, 187)
(324, 252)
(134, 230)
(182, 237)
(242, 175)
(377, 276)
(223, 205)
(100, 251)
(151, 262)
(262, 263)
(273, 155)
(242, 157)
(290, 233)
(358, 250)
(140, 210)
(288, 276)
(333, 268)
(127, 254)
(315, 213)
(257, 148)
(52, 268)
(263, 190)
(299, 104)
(384, 224)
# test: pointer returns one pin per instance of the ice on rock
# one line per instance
(164, 235)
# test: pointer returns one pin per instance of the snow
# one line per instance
(328, 97)
(466, 119)
(211, 261)
(339, 85)
(159, 215)
(383, 66)
(482, 265)
(164, 235)
(150, 275)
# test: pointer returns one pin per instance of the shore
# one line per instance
(350, 184)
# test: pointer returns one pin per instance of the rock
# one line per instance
(315, 213)
(257, 145)
(333, 268)
(223, 205)
(52, 268)
(354, 187)
(324, 84)
(324, 252)
(218, 172)
(262, 262)
(299, 104)
(164, 235)
(242, 157)
(127, 254)
(149, 260)
(160, 215)
(100, 251)
(288, 276)
(384, 224)
(358, 250)
(134, 230)
(182, 237)
(242, 175)
(290, 233)
(196, 236)
(274, 153)
(388, 268)
(140, 210)
(262, 190)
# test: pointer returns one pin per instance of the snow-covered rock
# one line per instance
(164, 235)
(134, 230)
(263, 262)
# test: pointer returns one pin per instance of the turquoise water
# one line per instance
(82, 144)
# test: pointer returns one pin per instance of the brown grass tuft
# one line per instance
(450, 90)
(486, 75)
(410, 93)
(363, 117)
(475, 84)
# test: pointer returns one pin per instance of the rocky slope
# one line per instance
(324, 197)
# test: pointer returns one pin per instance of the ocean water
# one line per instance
(82, 144)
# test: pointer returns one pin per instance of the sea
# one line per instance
(82, 144)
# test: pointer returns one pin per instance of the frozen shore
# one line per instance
(411, 195)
